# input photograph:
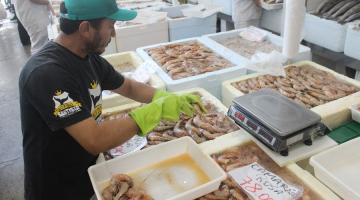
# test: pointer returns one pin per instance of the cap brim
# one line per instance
(123, 15)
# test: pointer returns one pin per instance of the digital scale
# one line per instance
(275, 120)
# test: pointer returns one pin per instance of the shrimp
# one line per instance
(333, 93)
(193, 132)
(204, 125)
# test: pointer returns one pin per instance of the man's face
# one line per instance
(101, 37)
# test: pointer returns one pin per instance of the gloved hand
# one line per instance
(187, 103)
(148, 116)
(161, 93)
(167, 107)
(188, 100)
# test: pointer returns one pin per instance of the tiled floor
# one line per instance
(12, 57)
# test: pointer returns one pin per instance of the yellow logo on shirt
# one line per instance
(96, 101)
(64, 105)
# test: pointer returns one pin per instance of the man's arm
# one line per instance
(42, 2)
(97, 138)
(135, 90)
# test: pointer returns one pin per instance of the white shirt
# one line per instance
(245, 10)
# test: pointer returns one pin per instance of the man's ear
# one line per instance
(85, 29)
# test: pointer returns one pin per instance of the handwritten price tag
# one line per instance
(261, 184)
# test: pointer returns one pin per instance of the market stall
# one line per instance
(256, 116)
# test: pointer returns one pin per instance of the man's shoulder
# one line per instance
(46, 62)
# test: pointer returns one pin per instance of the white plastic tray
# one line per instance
(210, 81)
(333, 114)
(135, 161)
(211, 41)
(338, 168)
(113, 100)
(237, 139)
(325, 33)
(352, 43)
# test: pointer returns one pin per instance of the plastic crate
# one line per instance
(333, 114)
(113, 100)
(210, 81)
(211, 41)
(338, 168)
(325, 33)
(129, 38)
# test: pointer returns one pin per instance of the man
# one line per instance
(246, 13)
(60, 100)
(34, 16)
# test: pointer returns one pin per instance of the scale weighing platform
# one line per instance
(276, 121)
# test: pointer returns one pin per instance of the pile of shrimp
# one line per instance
(187, 59)
(243, 155)
(201, 127)
(122, 188)
(306, 85)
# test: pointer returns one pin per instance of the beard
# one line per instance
(96, 46)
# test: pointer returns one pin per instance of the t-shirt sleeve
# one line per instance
(56, 95)
(110, 78)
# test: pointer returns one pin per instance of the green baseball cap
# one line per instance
(95, 9)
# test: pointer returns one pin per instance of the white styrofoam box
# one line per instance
(237, 139)
(272, 20)
(355, 113)
(352, 43)
(338, 168)
(333, 114)
(211, 41)
(131, 57)
(210, 81)
(129, 38)
(325, 33)
(188, 27)
(132, 162)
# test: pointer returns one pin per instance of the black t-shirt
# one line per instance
(58, 89)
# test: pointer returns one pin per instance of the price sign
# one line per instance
(261, 184)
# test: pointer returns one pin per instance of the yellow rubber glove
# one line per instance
(161, 93)
(187, 98)
(149, 116)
